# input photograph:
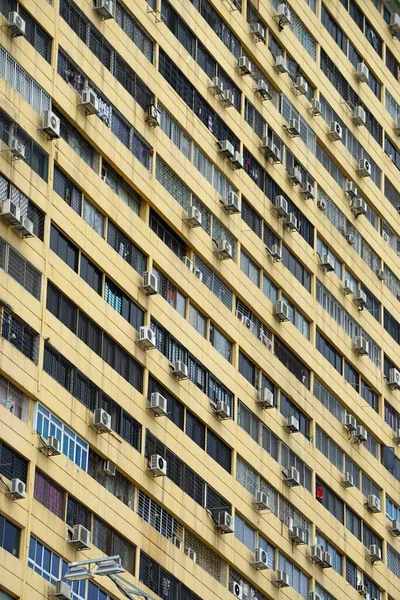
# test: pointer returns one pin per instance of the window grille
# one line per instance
(370, 537)
(157, 517)
(20, 269)
(328, 164)
(167, 234)
(13, 399)
(173, 184)
(109, 541)
(206, 558)
(131, 26)
(298, 580)
(327, 446)
(161, 582)
(77, 142)
(175, 133)
(291, 362)
(214, 283)
(331, 501)
(245, 533)
(307, 134)
(118, 485)
(370, 487)
(125, 248)
(323, 593)
(19, 334)
(392, 417)
(258, 328)
(12, 464)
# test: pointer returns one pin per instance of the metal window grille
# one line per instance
(12, 464)
(131, 26)
(36, 35)
(19, 334)
(214, 283)
(245, 533)
(298, 580)
(157, 517)
(20, 269)
(292, 363)
(109, 541)
(248, 589)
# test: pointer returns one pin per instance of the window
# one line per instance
(175, 408)
(19, 334)
(93, 217)
(245, 533)
(337, 557)
(329, 352)
(166, 234)
(170, 292)
(248, 369)
(161, 582)
(369, 395)
(330, 500)
(14, 400)
(77, 142)
(218, 450)
(20, 269)
(288, 409)
(118, 184)
(78, 514)
(323, 250)
(353, 523)
(197, 320)
(298, 319)
(250, 268)
(196, 430)
(36, 35)
(393, 560)
(48, 493)
(91, 274)
(9, 536)
(65, 249)
(118, 485)
(392, 510)
(291, 362)
(109, 541)
(123, 305)
(351, 376)
(270, 289)
(297, 579)
(296, 268)
(61, 307)
(158, 517)
(125, 248)
(68, 191)
(220, 342)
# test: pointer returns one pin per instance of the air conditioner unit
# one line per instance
(314, 596)
(62, 591)
(10, 213)
(258, 31)
(362, 589)
(187, 262)
(265, 398)
(271, 150)
(245, 320)
(225, 522)
(217, 87)
(261, 501)
(262, 88)
(350, 239)
(157, 465)
(227, 98)
(380, 273)
(90, 102)
(375, 554)
(52, 447)
(153, 116)
(150, 283)
(315, 107)
(335, 131)
(360, 298)
(282, 311)
(198, 273)
(177, 542)
(158, 404)
(109, 468)
(105, 8)
(282, 579)
(292, 425)
(362, 72)
(232, 203)
(316, 554)
(280, 206)
(351, 190)
(276, 252)
(326, 560)
(244, 65)
(348, 480)
(359, 116)
(295, 175)
(328, 263)
(291, 222)
(222, 410)
(16, 24)
(101, 421)
(280, 65)
(322, 205)
(224, 249)
(293, 128)
(51, 125)
(394, 378)
(193, 217)
(298, 535)
(237, 161)
(291, 477)
(18, 150)
(307, 191)
(17, 489)
(350, 423)
(394, 24)
(360, 435)
(260, 559)
(364, 168)
(301, 86)
(396, 437)
(191, 554)
(236, 590)
(80, 537)
(147, 338)
(396, 126)
(373, 503)
(226, 149)
(395, 528)
(347, 287)
(361, 346)
(179, 370)
(283, 14)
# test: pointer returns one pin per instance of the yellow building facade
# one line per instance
(199, 287)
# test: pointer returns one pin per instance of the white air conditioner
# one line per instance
(394, 378)
(291, 477)
(361, 345)
(362, 72)
(244, 65)
(294, 174)
(217, 87)
(362, 589)
(261, 500)
(348, 480)
(396, 126)
(301, 86)
(350, 423)
(281, 579)
(10, 213)
(283, 14)
(326, 560)
(260, 559)
(315, 108)
(177, 542)
(157, 465)
(271, 150)
(316, 554)
(298, 535)
(191, 554)
(109, 468)
(280, 206)
(375, 554)
(52, 447)
(360, 298)
(105, 8)
(396, 437)
(90, 102)
(360, 435)
(307, 191)
(62, 591)
(80, 537)
(51, 125)
(187, 262)
(350, 239)
(280, 65)
(225, 522)
(147, 338)
(265, 398)
(232, 203)
(18, 150)
(101, 421)
(262, 88)
(198, 273)
(193, 217)
(291, 222)
(236, 590)
(150, 283)
(158, 404)
(258, 31)
(314, 596)
(276, 252)
(17, 489)
(226, 149)
(227, 98)
(351, 190)
(293, 127)
(394, 24)
(322, 205)
(25, 228)
(153, 116)
(237, 161)
(180, 370)
(222, 410)
(395, 528)
(327, 263)
(292, 425)
(16, 24)
(224, 249)
(359, 116)
(281, 310)
(335, 131)
(347, 287)
(364, 168)
(373, 503)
